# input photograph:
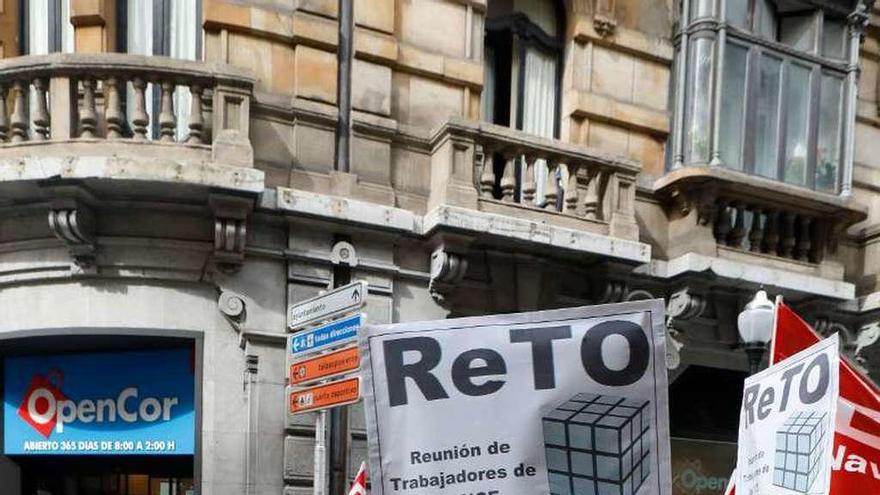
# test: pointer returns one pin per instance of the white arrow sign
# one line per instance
(338, 301)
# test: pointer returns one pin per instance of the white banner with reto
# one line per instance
(562, 402)
(786, 427)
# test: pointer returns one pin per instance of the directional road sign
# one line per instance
(338, 301)
(324, 337)
(323, 396)
(324, 366)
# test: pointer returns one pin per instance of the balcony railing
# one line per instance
(107, 96)
(543, 179)
(758, 215)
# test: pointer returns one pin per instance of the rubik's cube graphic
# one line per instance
(597, 445)
(799, 450)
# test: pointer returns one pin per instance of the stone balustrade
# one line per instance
(760, 227)
(728, 209)
(119, 97)
(516, 169)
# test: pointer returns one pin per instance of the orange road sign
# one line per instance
(324, 366)
(324, 396)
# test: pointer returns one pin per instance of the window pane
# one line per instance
(697, 118)
(767, 117)
(799, 31)
(833, 38)
(38, 28)
(797, 106)
(765, 19)
(701, 8)
(732, 104)
(737, 13)
(828, 157)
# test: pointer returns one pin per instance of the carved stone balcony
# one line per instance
(756, 224)
(500, 170)
(94, 115)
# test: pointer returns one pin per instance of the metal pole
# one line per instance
(343, 86)
(339, 434)
(339, 447)
(755, 353)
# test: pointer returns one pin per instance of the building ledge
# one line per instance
(488, 227)
(192, 167)
(508, 228)
(749, 276)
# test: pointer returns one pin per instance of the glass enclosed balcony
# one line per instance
(767, 88)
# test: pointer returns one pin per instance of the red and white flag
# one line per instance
(359, 486)
(856, 452)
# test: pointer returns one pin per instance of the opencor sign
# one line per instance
(137, 403)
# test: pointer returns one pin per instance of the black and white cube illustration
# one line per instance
(598, 445)
(799, 456)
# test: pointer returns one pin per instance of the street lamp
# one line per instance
(755, 325)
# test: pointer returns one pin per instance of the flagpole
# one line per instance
(775, 326)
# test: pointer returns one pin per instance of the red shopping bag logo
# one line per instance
(38, 408)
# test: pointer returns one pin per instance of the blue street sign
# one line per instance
(324, 336)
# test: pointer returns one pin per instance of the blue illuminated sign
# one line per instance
(121, 403)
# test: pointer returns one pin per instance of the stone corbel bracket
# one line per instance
(230, 229)
(449, 265)
(683, 304)
(71, 219)
(233, 307)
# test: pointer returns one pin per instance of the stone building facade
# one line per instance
(171, 174)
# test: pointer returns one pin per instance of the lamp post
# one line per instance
(755, 324)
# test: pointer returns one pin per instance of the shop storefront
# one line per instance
(701, 467)
(120, 422)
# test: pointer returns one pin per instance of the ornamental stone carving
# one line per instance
(230, 230)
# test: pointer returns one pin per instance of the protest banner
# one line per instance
(564, 402)
(856, 451)
(786, 424)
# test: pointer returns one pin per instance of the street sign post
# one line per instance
(327, 375)
(331, 394)
(324, 366)
(336, 302)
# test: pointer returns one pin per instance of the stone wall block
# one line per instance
(315, 74)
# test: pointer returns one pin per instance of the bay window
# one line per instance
(765, 89)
